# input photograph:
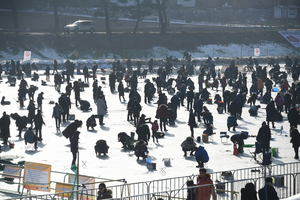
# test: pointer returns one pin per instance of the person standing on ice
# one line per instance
(295, 140)
(192, 122)
(271, 113)
(57, 111)
(101, 109)
(74, 147)
(264, 137)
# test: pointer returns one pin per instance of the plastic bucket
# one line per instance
(275, 152)
(167, 161)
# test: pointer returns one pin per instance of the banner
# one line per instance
(257, 52)
(63, 188)
(292, 37)
(37, 176)
(12, 171)
(27, 55)
(89, 184)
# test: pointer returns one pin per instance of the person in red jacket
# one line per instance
(205, 192)
(162, 114)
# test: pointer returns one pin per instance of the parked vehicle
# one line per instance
(80, 26)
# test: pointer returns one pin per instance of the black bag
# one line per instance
(71, 117)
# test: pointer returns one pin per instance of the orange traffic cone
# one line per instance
(235, 149)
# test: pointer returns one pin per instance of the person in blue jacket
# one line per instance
(201, 156)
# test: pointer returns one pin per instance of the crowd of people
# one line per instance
(184, 93)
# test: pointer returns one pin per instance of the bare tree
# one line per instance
(15, 15)
(138, 17)
(55, 16)
(162, 15)
(106, 12)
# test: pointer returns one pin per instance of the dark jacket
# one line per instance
(143, 132)
(271, 193)
(271, 111)
(192, 121)
(74, 141)
(4, 125)
(295, 138)
(69, 131)
(106, 194)
(249, 192)
(264, 136)
(121, 89)
(293, 116)
(38, 120)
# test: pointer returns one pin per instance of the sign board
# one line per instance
(257, 52)
(37, 176)
(12, 171)
(27, 55)
(89, 184)
(63, 188)
(292, 37)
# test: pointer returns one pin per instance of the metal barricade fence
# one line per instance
(285, 176)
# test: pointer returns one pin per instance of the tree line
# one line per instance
(138, 11)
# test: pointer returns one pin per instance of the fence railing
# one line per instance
(228, 184)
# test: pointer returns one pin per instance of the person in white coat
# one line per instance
(101, 109)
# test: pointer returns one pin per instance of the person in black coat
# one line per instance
(192, 122)
(39, 101)
(121, 91)
(31, 111)
(74, 146)
(293, 117)
(91, 122)
(233, 108)
(21, 122)
(4, 127)
(249, 192)
(198, 106)
(71, 128)
(191, 194)
(264, 136)
(147, 92)
(84, 105)
(38, 123)
(271, 113)
(175, 101)
(190, 98)
(226, 99)
(205, 94)
(295, 140)
(287, 101)
(65, 103)
(239, 139)
(269, 189)
(143, 133)
(136, 109)
(76, 87)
